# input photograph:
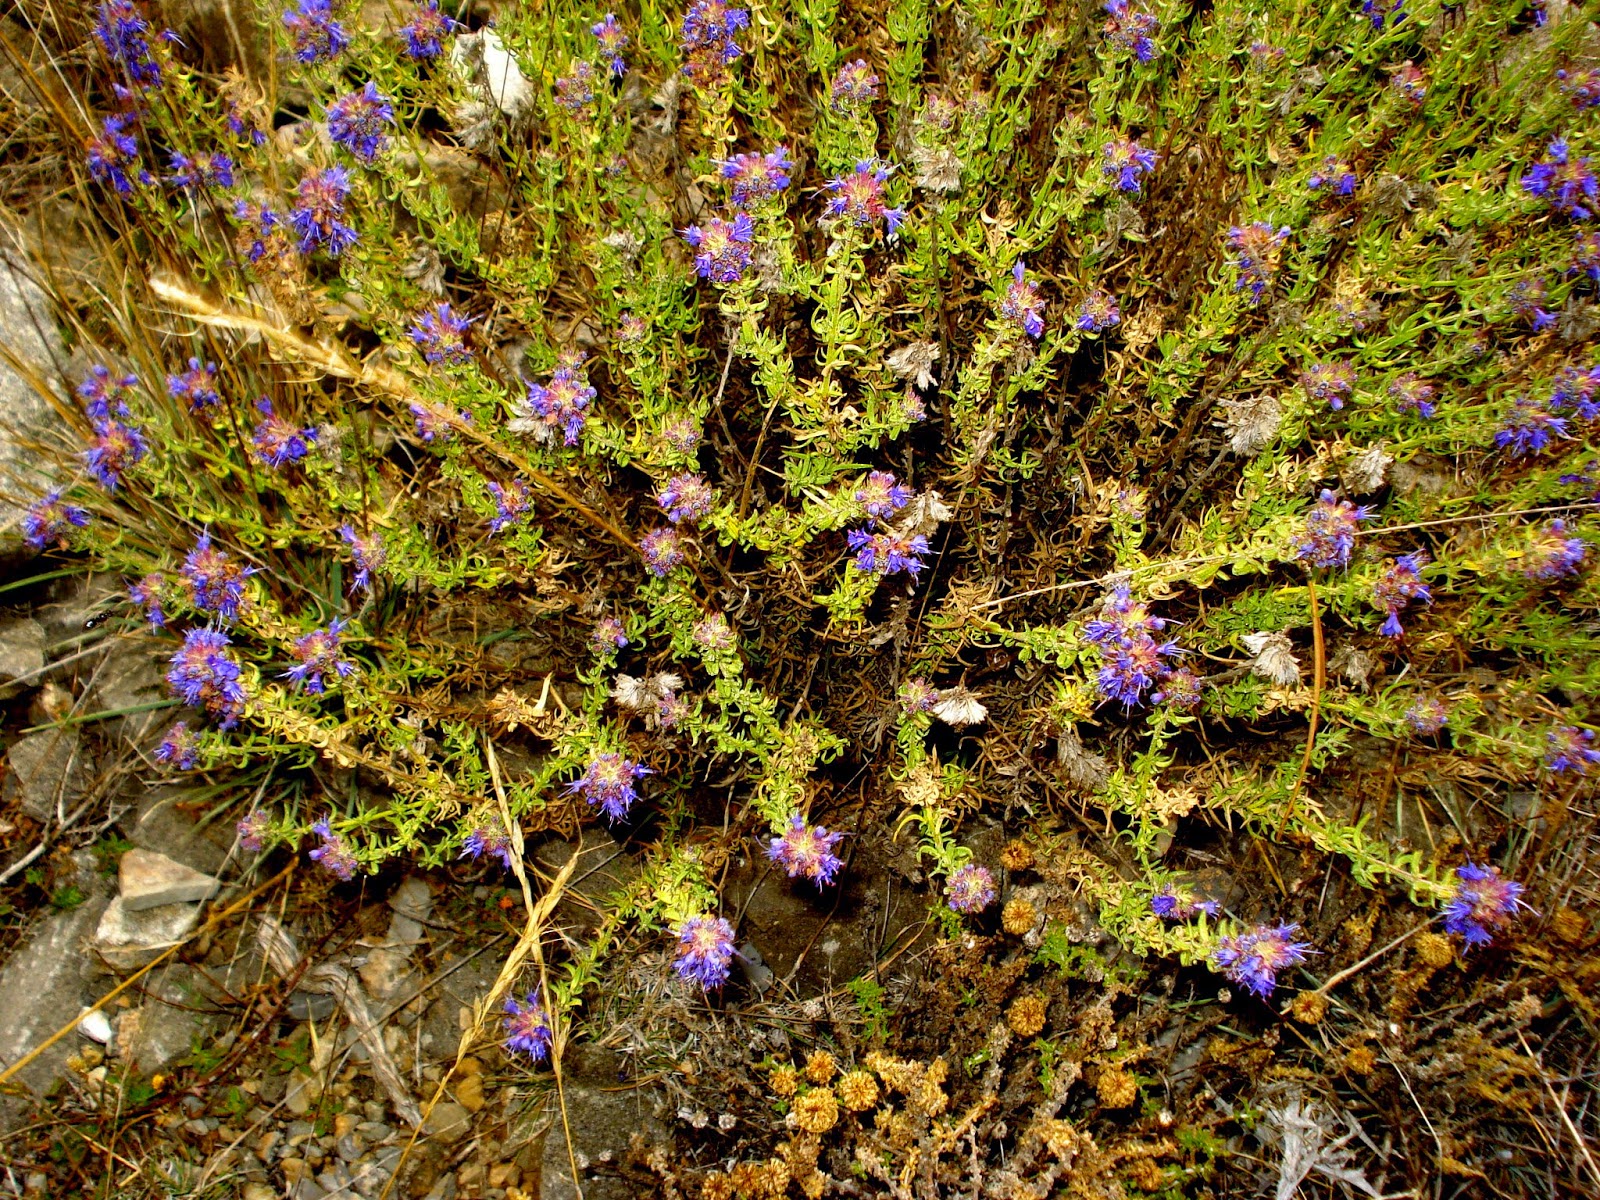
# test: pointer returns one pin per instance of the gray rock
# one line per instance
(25, 414)
(448, 1123)
(311, 1006)
(22, 644)
(132, 678)
(369, 1176)
(73, 601)
(601, 1122)
(160, 826)
(387, 970)
(126, 941)
(305, 1089)
(148, 879)
(41, 987)
(48, 769)
(165, 1027)
(350, 1147)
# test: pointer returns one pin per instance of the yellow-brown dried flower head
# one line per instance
(893, 1126)
(784, 1081)
(1570, 925)
(800, 1153)
(820, 1067)
(1309, 1008)
(1361, 1060)
(1017, 856)
(773, 1180)
(858, 1090)
(930, 1098)
(1435, 950)
(1027, 1015)
(1018, 916)
(716, 1186)
(1117, 1087)
(811, 1184)
(817, 1111)
(1145, 1175)
(746, 1178)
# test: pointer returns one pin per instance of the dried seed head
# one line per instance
(1309, 1008)
(820, 1067)
(1017, 855)
(716, 1186)
(783, 1081)
(1018, 916)
(858, 1090)
(1435, 950)
(817, 1111)
(1361, 1060)
(1026, 1016)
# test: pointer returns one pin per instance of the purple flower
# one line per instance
(487, 836)
(756, 177)
(560, 406)
(713, 634)
(196, 386)
(1569, 748)
(854, 85)
(1529, 428)
(1527, 300)
(263, 229)
(368, 554)
(881, 496)
(318, 205)
(970, 889)
(1339, 179)
(1482, 903)
(180, 748)
(612, 43)
(1330, 382)
(709, 27)
(1126, 161)
(662, 549)
(113, 155)
(1131, 28)
(917, 696)
(441, 335)
(1413, 394)
(434, 425)
(859, 196)
(279, 442)
(147, 595)
(1378, 12)
(318, 654)
(1582, 87)
(201, 170)
(528, 1027)
(424, 34)
(806, 851)
(216, 582)
(607, 784)
(1257, 247)
(608, 634)
(1098, 311)
(253, 829)
(313, 30)
(512, 505)
(1554, 553)
(1133, 664)
(1180, 688)
(1022, 305)
(1427, 715)
(681, 433)
(1577, 389)
(721, 248)
(686, 497)
(205, 674)
(1411, 83)
(116, 447)
(1564, 182)
(1400, 584)
(104, 397)
(1330, 533)
(239, 126)
(359, 121)
(1253, 959)
(705, 951)
(885, 553)
(48, 519)
(334, 855)
(1174, 903)
(575, 92)
(124, 32)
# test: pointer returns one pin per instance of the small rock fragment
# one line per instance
(148, 879)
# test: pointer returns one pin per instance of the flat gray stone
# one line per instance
(22, 644)
(127, 940)
(164, 1028)
(148, 879)
(600, 1121)
(46, 769)
(26, 416)
(131, 678)
(388, 970)
(160, 826)
(41, 987)
(448, 1122)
